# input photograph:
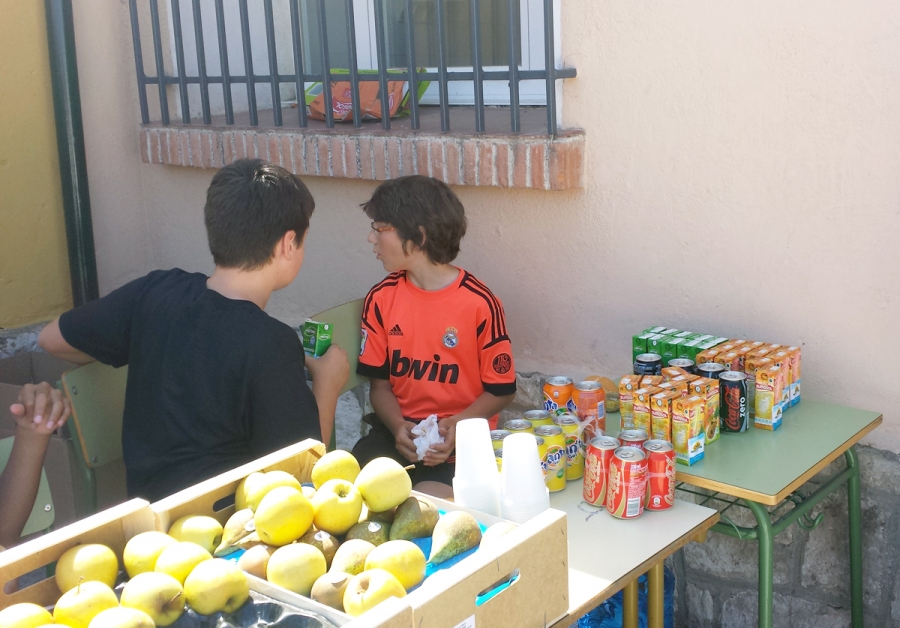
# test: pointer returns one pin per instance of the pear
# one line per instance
(455, 533)
(251, 540)
(235, 529)
(255, 560)
(385, 516)
(415, 518)
(325, 542)
(374, 532)
(351, 556)
(329, 589)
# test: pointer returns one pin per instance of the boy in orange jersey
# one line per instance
(433, 337)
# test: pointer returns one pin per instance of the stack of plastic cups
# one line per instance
(476, 484)
(523, 493)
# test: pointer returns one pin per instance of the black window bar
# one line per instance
(443, 75)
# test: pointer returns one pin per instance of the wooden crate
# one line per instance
(111, 527)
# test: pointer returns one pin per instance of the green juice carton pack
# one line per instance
(316, 337)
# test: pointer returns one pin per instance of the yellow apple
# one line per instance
(369, 589)
(255, 486)
(402, 558)
(336, 505)
(384, 484)
(283, 516)
(122, 617)
(84, 563)
(142, 551)
(78, 606)
(24, 615)
(351, 556)
(329, 589)
(335, 465)
(216, 585)
(296, 567)
(157, 594)
(200, 529)
(180, 559)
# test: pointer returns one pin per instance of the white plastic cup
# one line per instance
(476, 484)
(483, 497)
(523, 493)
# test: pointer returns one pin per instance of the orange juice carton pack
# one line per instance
(737, 342)
(661, 414)
(627, 385)
(688, 437)
(755, 344)
(774, 348)
(673, 371)
(729, 360)
(651, 380)
(751, 365)
(642, 418)
(783, 361)
(708, 389)
(708, 355)
(680, 387)
(768, 408)
(684, 379)
(760, 352)
(743, 351)
(796, 378)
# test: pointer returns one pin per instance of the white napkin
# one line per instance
(426, 434)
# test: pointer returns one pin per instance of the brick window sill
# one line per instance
(526, 160)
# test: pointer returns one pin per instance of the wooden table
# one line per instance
(764, 472)
(607, 554)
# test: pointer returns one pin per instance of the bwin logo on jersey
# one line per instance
(432, 370)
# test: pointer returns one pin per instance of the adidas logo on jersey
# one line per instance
(395, 331)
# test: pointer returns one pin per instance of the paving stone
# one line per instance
(879, 470)
(348, 421)
(700, 608)
(741, 610)
(723, 556)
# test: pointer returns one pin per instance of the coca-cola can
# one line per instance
(596, 468)
(660, 474)
(633, 438)
(627, 484)
(734, 410)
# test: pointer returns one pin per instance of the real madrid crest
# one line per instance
(450, 338)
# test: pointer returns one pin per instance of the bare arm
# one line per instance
(52, 341)
(485, 406)
(329, 374)
(386, 406)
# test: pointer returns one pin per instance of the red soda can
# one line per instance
(633, 438)
(627, 487)
(597, 456)
(660, 474)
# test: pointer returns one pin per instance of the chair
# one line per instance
(42, 514)
(97, 395)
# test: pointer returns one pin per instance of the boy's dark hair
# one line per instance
(250, 205)
(414, 202)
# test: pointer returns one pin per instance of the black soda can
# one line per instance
(734, 410)
(684, 363)
(710, 370)
(648, 364)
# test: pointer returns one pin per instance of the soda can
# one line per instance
(497, 437)
(597, 457)
(627, 485)
(498, 457)
(553, 456)
(589, 399)
(633, 438)
(538, 417)
(685, 364)
(733, 399)
(574, 446)
(558, 394)
(516, 426)
(711, 370)
(660, 474)
(648, 364)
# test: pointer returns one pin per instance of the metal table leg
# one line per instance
(655, 595)
(854, 508)
(630, 605)
(766, 559)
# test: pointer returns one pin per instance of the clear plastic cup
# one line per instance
(523, 493)
(476, 484)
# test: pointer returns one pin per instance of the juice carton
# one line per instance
(737, 342)
(627, 385)
(670, 331)
(729, 360)
(654, 330)
(639, 344)
(681, 388)
(712, 408)
(710, 343)
(782, 360)
(688, 436)
(760, 352)
(743, 351)
(654, 343)
(661, 414)
(651, 380)
(768, 408)
(688, 349)
(796, 378)
(316, 337)
(751, 365)
(703, 337)
(687, 378)
(673, 371)
(642, 408)
(720, 340)
(707, 355)
(755, 344)
(670, 348)
(725, 347)
(772, 348)
(685, 334)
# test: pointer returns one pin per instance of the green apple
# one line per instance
(78, 606)
(351, 556)
(24, 615)
(200, 529)
(283, 516)
(179, 560)
(83, 563)
(402, 558)
(336, 506)
(255, 486)
(335, 465)
(384, 484)
(296, 567)
(122, 617)
(157, 594)
(329, 589)
(142, 551)
(216, 585)
(369, 589)
(255, 560)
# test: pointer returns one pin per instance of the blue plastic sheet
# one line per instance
(609, 613)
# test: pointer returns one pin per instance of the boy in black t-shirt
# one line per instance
(213, 381)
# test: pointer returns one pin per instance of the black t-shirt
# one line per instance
(213, 382)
